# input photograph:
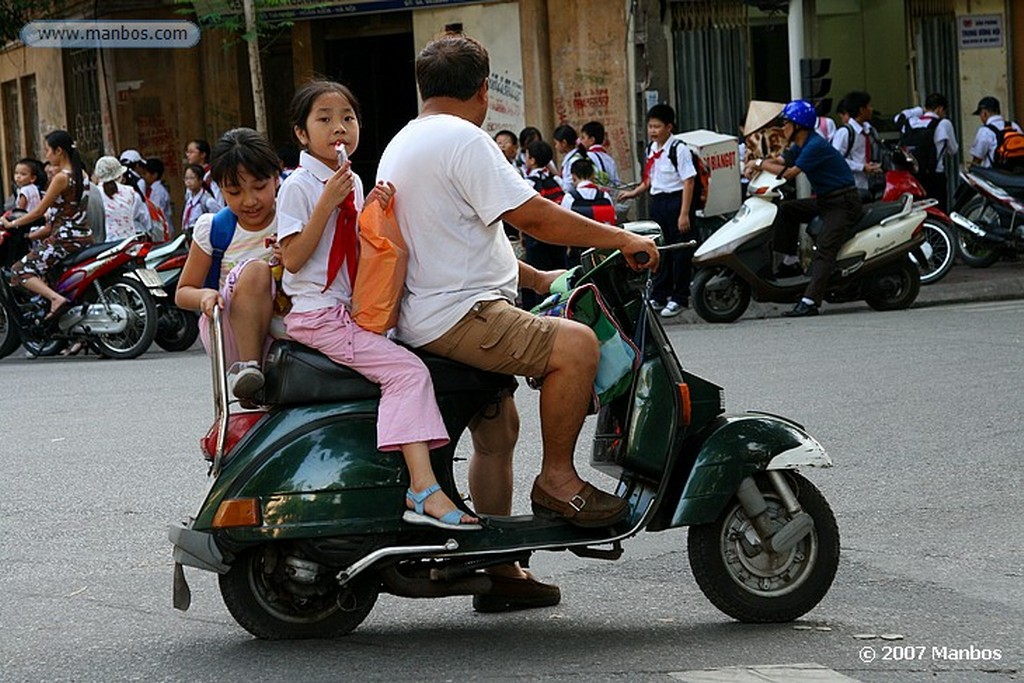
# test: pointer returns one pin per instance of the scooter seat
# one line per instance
(297, 375)
(873, 215)
(86, 254)
(1007, 181)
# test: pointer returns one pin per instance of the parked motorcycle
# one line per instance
(736, 262)
(988, 211)
(112, 297)
(177, 329)
(939, 236)
(303, 518)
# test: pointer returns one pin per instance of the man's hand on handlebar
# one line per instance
(634, 245)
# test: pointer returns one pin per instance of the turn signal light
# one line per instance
(237, 512)
(684, 403)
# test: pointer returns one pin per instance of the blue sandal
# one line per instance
(450, 520)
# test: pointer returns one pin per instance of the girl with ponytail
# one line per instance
(591, 144)
(69, 230)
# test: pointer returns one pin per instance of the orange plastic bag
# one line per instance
(380, 278)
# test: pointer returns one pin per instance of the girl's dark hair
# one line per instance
(202, 145)
(582, 168)
(61, 139)
(37, 169)
(529, 135)
(566, 134)
(200, 173)
(110, 188)
(594, 129)
(242, 148)
(155, 166)
(304, 98)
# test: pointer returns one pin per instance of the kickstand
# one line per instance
(613, 553)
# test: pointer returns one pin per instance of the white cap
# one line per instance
(130, 156)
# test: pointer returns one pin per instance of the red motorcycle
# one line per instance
(939, 236)
(112, 294)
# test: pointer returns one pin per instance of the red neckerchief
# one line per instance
(650, 164)
(345, 243)
(597, 148)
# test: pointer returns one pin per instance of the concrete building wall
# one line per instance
(984, 71)
(48, 69)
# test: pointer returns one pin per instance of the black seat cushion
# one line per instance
(85, 254)
(1007, 181)
(298, 375)
(873, 215)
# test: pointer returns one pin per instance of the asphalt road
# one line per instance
(919, 409)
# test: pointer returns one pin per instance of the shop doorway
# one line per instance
(380, 71)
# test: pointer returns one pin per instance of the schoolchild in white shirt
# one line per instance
(324, 195)
(152, 171)
(586, 199)
(197, 151)
(198, 199)
(854, 141)
(566, 142)
(592, 144)
(933, 115)
(669, 175)
(986, 140)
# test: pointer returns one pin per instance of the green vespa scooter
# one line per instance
(303, 517)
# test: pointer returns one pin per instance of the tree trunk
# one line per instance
(255, 71)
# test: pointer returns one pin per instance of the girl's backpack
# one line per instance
(599, 209)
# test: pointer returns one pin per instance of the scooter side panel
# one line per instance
(740, 446)
(882, 238)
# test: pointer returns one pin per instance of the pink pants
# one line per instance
(231, 354)
(408, 410)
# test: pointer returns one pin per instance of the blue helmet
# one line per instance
(800, 112)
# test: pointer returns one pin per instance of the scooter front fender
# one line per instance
(737, 447)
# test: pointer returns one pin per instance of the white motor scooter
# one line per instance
(736, 262)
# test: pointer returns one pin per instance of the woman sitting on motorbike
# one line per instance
(836, 200)
(69, 231)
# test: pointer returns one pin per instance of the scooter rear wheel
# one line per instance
(10, 338)
(895, 288)
(766, 587)
(177, 329)
(268, 602)
(719, 295)
(939, 248)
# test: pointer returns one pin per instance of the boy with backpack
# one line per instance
(586, 199)
(929, 136)
(541, 255)
(669, 174)
(998, 143)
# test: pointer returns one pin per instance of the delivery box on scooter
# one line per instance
(720, 156)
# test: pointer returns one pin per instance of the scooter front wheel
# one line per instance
(753, 584)
(719, 295)
(279, 596)
(972, 250)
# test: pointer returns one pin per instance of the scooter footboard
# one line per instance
(737, 447)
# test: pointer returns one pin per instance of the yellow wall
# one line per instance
(47, 66)
(867, 42)
(983, 71)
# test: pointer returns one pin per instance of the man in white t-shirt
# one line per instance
(453, 189)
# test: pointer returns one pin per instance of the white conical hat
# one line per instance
(761, 113)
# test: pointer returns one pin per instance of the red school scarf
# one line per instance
(345, 243)
(650, 164)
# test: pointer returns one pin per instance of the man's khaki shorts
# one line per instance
(497, 336)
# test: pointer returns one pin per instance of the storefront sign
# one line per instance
(980, 30)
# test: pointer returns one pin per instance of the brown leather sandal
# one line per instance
(589, 508)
